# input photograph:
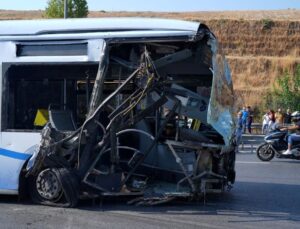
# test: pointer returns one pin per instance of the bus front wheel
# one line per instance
(54, 187)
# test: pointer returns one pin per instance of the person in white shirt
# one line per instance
(265, 123)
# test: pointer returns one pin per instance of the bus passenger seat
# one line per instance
(62, 120)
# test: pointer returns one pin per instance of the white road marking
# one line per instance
(252, 162)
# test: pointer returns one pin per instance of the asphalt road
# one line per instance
(266, 195)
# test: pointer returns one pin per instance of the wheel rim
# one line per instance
(48, 185)
(265, 152)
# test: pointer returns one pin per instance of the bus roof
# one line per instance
(58, 26)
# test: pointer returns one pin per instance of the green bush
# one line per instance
(286, 92)
(267, 24)
(76, 9)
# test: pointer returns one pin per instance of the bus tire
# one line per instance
(57, 187)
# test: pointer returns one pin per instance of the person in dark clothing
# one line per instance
(239, 128)
(249, 119)
(288, 117)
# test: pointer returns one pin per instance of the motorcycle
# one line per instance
(276, 142)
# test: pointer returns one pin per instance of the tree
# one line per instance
(286, 91)
(76, 9)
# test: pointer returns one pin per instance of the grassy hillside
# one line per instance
(258, 52)
(260, 45)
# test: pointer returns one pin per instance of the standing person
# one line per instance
(288, 117)
(249, 119)
(279, 116)
(265, 123)
(239, 128)
(245, 114)
(272, 121)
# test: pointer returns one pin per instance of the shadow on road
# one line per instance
(248, 201)
(255, 201)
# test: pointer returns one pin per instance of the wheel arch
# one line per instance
(22, 186)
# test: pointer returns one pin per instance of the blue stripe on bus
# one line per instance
(13, 154)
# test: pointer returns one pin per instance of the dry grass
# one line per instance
(277, 15)
(253, 76)
(251, 38)
(282, 15)
(260, 45)
(20, 15)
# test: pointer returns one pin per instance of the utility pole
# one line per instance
(66, 9)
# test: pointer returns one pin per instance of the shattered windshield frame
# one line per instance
(221, 107)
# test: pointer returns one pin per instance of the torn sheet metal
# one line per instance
(220, 111)
(156, 128)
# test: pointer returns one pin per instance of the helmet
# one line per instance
(296, 115)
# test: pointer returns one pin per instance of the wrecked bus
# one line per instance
(114, 107)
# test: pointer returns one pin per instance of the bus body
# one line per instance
(58, 63)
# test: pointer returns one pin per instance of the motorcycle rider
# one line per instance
(293, 137)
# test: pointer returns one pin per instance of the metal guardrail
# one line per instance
(250, 142)
(256, 128)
